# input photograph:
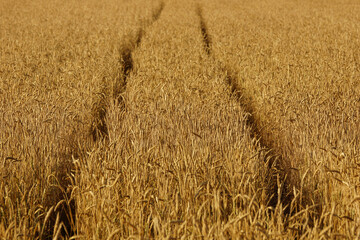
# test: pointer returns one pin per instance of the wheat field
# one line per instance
(188, 119)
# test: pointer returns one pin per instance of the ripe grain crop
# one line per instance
(179, 119)
(55, 59)
(297, 65)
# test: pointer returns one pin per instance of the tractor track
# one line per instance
(279, 189)
(204, 31)
(99, 128)
(60, 218)
(65, 213)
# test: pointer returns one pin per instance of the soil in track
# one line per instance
(276, 164)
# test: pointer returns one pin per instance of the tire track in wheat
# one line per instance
(280, 187)
(204, 31)
(99, 128)
(61, 219)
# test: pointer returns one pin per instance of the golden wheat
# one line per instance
(179, 119)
